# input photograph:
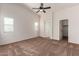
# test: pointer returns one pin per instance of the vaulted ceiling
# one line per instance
(55, 6)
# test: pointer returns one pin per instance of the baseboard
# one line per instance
(73, 43)
(6, 43)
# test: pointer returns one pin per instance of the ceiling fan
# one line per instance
(42, 8)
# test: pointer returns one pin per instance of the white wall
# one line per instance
(46, 24)
(24, 20)
(72, 14)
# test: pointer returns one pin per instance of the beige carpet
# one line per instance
(40, 47)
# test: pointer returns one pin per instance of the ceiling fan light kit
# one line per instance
(42, 8)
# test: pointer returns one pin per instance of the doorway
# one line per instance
(64, 29)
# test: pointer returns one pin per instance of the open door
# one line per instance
(64, 29)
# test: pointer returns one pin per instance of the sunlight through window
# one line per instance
(8, 24)
(36, 26)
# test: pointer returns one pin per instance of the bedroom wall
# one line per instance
(46, 21)
(72, 15)
(24, 23)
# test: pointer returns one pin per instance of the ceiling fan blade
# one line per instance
(47, 8)
(44, 11)
(35, 8)
(37, 11)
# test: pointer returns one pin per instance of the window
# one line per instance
(8, 24)
(36, 26)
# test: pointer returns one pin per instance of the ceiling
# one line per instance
(56, 6)
(60, 6)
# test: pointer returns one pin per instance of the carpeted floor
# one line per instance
(40, 47)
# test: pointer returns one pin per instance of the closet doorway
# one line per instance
(64, 29)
